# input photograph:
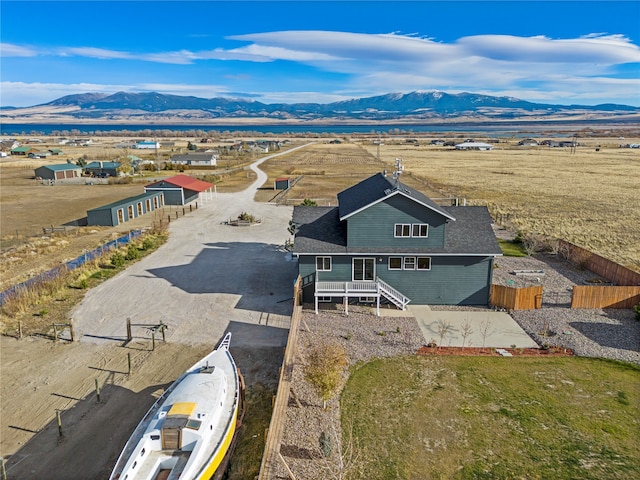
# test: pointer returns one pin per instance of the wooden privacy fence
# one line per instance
(272, 456)
(512, 298)
(604, 297)
(604, 267)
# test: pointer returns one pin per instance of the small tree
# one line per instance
(443, 329)
(466, 332)
(324, 368)
(307, 202)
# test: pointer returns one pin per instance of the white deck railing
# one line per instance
(344, 288)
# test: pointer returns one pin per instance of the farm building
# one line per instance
(23, 150)
(201, 159)
(101, 169)
(182, 189)
(388, 242)
(58, 172)
(474, 146)
(281, 183)
(146, 145)
(125, 210)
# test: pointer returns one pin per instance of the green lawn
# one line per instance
(512, 249)
(493, 418)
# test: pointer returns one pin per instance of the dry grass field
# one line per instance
(325, 170)
(587, 197)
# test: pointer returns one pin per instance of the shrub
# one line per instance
(307, 202)
(148, 243)
(326, 444)
(324, 367)
(636, 309)
(132, 253)
(117, 260)
(246, 217)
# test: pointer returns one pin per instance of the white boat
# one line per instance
(188, 431)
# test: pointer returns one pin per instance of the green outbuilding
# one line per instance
(60, 171)
(125, 210)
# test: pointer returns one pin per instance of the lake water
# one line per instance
(517, 130)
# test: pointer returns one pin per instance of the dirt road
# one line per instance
(207, 279)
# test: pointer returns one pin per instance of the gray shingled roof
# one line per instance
(376, 188)
(319, 229)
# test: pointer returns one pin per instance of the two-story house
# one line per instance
(388, 242)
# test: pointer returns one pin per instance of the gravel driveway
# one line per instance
(207, 279)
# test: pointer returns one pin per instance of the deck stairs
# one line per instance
(393, 295)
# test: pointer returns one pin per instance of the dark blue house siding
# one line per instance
(374, 226)
(451, 280)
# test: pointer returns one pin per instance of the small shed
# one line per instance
(282, 183)
(122, 211)
(58, 172)
(181, 189)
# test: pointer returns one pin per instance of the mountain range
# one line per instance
(414, 107)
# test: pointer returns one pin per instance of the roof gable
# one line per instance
(378, 188)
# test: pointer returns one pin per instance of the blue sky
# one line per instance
(574, 52)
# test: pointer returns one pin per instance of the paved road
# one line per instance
(207, 279)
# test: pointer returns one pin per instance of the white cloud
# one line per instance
(369, 64)
(11, 50)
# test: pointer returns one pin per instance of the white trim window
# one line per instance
(402, 230)
(395, 263)
(409, 263)
(323, 264)
(424, 263)
(420, 230)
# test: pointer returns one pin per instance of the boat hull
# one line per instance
(188, 431)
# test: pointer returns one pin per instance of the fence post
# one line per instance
(59, 420)
(20, 329)
(72, 331)
(129, 337)
(97, 390)
(55, 333)
(129, 363)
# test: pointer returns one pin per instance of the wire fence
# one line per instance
(67, 266)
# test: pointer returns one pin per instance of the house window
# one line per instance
(424, 263)
(324, 299)
(364, 269)
(323, 264)
(395, 263)
(420, 230)
(409, 263)
(402, 230)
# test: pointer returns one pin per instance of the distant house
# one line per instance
(146, 145)
(528, 142)
(58, 172)
(23, 150)
(8, 145)
(199, 159)
(438, 142)
(55, 151)
(387, 241)
(102, 169)
(474, 146)
(125, 210)
(182, 189)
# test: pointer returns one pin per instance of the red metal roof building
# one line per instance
(182, 189)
